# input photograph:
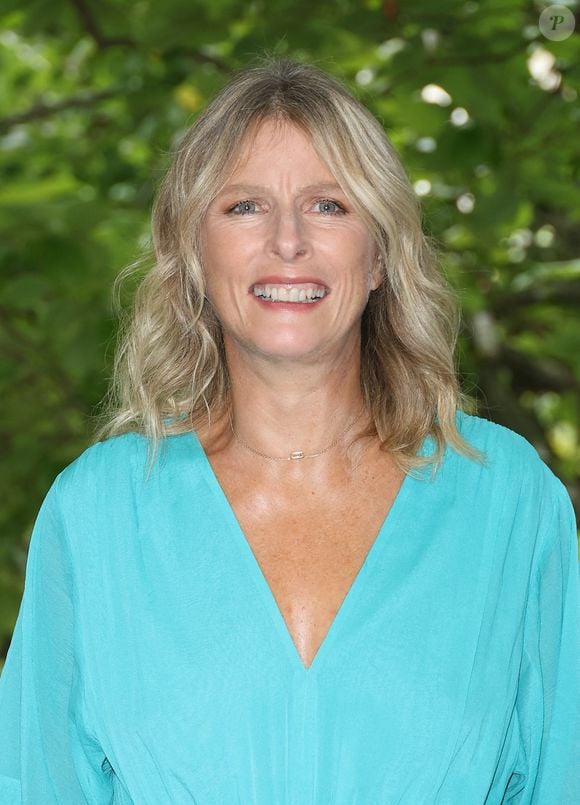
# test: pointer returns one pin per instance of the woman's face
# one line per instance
(287, 223)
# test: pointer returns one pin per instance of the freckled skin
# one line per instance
(295, 378)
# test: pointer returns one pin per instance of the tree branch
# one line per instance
(560, 293)
(537, 374)
(42, 110)
(89, 23)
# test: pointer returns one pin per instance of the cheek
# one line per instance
(354, 245)
(229, 252)
(356, 260)
(216, 253)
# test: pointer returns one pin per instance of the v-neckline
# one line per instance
(259, 580)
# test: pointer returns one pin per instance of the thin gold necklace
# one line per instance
(295, 454)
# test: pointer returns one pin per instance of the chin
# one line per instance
(285, 351)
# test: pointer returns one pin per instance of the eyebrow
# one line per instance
(256, 188)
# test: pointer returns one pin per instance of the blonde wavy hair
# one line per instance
(170, 373)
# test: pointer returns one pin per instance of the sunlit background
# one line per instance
(482, 107)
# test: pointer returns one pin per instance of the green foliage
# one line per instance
(94, 97)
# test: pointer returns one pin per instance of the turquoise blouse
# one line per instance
(150, 663)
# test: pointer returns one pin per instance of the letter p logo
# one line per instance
(556, 23)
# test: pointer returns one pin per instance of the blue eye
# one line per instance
(241, 207)
(339, 211)
(235, 207)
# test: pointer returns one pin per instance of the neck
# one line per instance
(274, 414)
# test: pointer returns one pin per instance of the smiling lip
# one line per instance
(278, 280)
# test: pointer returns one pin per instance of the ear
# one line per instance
(376, 275)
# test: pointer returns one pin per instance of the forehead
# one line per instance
(268, 141)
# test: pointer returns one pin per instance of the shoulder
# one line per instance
(488, 435)
(510, 457)
(500, 441)
(113, 455)
(119, 469)
(519, 484)
(102, 471)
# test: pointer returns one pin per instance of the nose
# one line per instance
(287, 238)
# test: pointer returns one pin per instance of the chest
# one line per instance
(310, 549)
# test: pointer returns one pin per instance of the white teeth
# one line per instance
(281, 294)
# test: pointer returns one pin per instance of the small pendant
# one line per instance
(297, 454)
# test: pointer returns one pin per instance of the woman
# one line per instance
(281, 606)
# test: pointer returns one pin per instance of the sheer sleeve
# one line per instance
(47, 755)
(548, 699)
